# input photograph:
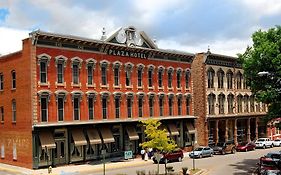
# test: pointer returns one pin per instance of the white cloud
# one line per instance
(11, 39)
(228, 47)
(263, 7)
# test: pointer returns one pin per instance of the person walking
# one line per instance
(142, 153)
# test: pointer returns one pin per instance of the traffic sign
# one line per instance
(128, 154)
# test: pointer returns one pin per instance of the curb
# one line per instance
(202, 172)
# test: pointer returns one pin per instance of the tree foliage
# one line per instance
(156, 137)
(265, 55)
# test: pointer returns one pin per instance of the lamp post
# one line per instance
(193, 157)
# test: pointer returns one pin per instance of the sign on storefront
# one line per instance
(128, 154)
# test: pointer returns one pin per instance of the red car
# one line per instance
(246, 146)
(176, 155)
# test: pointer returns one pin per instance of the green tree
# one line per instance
(265, 56)
(157, 138)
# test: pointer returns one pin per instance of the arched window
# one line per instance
(230, 100)
(104, 65)
(117, 101)
(76, 99)
(170, 77)
(187, 78)
(229, 77)
(44, 98)
(150, 75)
(116, 72)
(151, 98)
(179, 72)
(239, 103)
(170, 103)
(43, 62)
(220, 75)
(76, 66)
(221, 99)
(129, 69)
(211, 103)
(210, 74)
(160, 76)
(246, 103)
(60, 64)
(14, 111)
(91, 64)
(104, 102)
(91, 95)
(238, 80)
(60, 98)
(13, 79)
(140, 72)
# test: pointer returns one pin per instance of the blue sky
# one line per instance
(187, 25)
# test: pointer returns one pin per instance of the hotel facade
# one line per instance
(64, 98)
(225, 107)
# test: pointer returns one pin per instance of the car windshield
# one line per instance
(260, 140)
(220, 144)
(268, 163)
(198, 149)
(277, 140)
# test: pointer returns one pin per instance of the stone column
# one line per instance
(257, 128)
(249, 129)
(235, 131)
(226, 130)
(217, 131)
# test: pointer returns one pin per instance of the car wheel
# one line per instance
(272, 146)
(254, 148)
(200, 156)
(233, 151)
(211, 155)
(223, 152)
(180, 159)
(263, 146)
(246, 150)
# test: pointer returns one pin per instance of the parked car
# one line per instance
(264, 143)
(246, 146)
(277, 142)
(176, 155)
(201, 152)
(224, 147)
(267, 166)
(276, 156)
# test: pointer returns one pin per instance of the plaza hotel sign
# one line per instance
(124, 53)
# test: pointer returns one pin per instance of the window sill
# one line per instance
(140, 87)
(161, 88)
(44, 84)
(14, 122)
(13, 89)
(91, 85)
(170, 88)
(151, 88)
(2, 122)
(129, 87)
(179, 89)
(104, 86)
(117, 87)
(76, 85)
(60, 84)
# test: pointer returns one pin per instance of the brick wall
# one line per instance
(16, 134)
(199, 98)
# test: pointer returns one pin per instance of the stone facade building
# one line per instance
(223, 103)
(64, 99)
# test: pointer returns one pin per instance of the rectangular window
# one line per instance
(128, 78)
(13, 80)
(2, 113)
(140, 104)
(161, 109)
(117, 107)
(179, 106)
(60, 108)
(160, 82)
(14, 111)
(178, 79)
(187, 106)
(43, 72)
(75, 74)
(187, 76)
(129, 107)
(139, 77)
(103, 76)
(150, 78)
(60, 72)
(76, 108)
(44, 109)
(116, 76)
(90, 74)
(1, 81)
(170, 107)
(104, 108)
(91, 108)
(169, 79)
(151, 107)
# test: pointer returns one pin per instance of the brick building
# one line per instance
(64, 98)
(223, 103)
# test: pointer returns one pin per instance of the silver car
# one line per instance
(201, 152)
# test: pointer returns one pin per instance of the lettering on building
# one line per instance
(124, 53)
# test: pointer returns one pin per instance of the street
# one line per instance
(241, 163)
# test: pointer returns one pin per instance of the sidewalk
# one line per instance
(74, 169)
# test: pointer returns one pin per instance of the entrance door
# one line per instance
(59, 152)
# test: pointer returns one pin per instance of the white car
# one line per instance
(277, 142)
(264, 143)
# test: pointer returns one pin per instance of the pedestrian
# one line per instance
(145, 156)
(142, 153)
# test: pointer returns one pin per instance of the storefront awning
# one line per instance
(132, 133)
(173, 129)
(107, 136)
(190, 128)
(78, 137)
(94, 136)
(162, 127)
(47, 140)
